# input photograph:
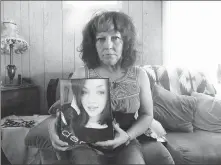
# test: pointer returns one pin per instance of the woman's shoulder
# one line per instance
(138, 71)
(80, 72)
(141, 74)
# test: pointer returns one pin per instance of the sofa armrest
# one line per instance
(52, 91)
(38, 136)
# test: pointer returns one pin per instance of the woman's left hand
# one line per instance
(121, 137)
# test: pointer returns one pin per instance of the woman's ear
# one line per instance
(74, 105)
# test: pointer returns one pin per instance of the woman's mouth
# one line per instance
(92, 108)
(110, 54)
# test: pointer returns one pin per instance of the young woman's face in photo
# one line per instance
(109, 47)
(94, 96)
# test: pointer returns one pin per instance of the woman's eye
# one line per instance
(114, 38)
(84, 92)
(101, 92)
(101, 39)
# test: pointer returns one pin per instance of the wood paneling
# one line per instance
(68, 50)
(3, 57)
(37, 61)
(52, 40)
(125, 7)
(54, 35)
(137, 17)
(25, 31)
(78, 24)
(152, 32)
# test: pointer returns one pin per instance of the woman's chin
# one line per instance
(93, 114)
(110, 63)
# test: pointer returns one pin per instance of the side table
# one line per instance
(20, 100)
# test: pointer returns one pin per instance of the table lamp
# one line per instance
(11, 43)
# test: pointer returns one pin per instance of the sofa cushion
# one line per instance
(184, 81)
(198, 147)
(175, 112)
(38, 136)
(157, 75)
(208, 113)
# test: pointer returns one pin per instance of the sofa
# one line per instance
(200, 144)
(183, 100)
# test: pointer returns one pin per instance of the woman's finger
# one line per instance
(59, 148)
(117, 128)
(59, 142)
(100, 143)
(57, 113)
(105, 143)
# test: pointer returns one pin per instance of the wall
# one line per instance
(54, 38)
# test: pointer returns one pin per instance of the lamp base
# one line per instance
(11, 72)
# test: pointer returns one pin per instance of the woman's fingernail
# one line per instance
(114, 121)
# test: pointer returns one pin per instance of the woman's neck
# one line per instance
(93, 122)
(112, 72)
(94, 119)
(111, 68)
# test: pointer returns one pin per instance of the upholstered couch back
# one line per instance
(179, 80)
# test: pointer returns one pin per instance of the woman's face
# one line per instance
(94, 96)
(109, 47)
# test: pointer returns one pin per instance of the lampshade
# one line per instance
(9, 35)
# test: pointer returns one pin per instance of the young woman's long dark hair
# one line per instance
(82, 119)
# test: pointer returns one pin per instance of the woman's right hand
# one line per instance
(56, 142)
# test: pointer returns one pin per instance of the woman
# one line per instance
(89, 115)
(109, 51)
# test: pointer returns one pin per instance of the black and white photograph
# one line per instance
(110, 82)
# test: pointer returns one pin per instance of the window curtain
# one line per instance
(192, 35)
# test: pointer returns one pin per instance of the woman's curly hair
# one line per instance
(103, 22)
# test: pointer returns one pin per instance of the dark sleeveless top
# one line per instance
(124, 93)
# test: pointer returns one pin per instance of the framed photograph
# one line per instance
(85, 115)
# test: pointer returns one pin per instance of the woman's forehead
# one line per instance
(104, 25)
(109, 32)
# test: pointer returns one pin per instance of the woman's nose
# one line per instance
(91, 98)
(108, 43)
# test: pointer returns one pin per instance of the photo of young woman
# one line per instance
(88, 116)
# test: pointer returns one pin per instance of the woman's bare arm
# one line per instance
(145, 113)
